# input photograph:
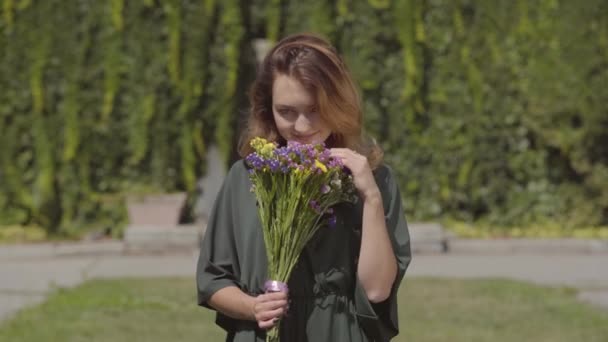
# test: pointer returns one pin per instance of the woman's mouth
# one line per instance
(304, 139)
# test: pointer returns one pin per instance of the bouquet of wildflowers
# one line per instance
(295, 186)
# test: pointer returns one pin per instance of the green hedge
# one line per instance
(491, 111)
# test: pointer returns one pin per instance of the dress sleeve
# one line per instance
(217, 265)
(379, 320)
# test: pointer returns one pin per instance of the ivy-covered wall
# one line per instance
(492, 110)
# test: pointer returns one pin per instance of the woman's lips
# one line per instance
(304, 139)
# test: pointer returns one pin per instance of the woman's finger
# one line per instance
(341, 155)
(267, 324)
(270, 305)
(274, 295)
(271, 314)
(338, 149)
(338, 152)
(346, 154)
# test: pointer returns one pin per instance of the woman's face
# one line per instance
(296, 113)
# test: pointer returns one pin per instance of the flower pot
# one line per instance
(155, 209)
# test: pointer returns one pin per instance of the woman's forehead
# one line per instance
(288, 91)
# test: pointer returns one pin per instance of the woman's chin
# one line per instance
(305, 141)
(313, 139)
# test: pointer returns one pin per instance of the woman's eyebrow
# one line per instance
(285, 106)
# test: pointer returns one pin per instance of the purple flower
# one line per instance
(255, 161)
(335, 163)
(315, 206)
(325, 188)
(293, 144)
(325, 156)
(333, 220)
(273, 165)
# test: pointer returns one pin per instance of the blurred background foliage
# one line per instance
(490, 112)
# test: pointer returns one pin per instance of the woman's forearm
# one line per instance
(377, 268)
(233, 302)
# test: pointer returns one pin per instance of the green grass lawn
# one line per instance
(430, 310)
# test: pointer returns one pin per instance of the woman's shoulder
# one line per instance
(237, 173)
(238, 167)
(385, 178)
(383, 168)
(383, 171)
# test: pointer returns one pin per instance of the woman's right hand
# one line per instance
(268, 308)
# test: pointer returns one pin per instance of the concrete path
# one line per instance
(27, 278)
(27, 281)
(587, 273)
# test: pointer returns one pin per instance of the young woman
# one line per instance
(344, 287)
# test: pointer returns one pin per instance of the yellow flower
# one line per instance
(263, 147)
(257, 143)
(320, 165)
(267, 149)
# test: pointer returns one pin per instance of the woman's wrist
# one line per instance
(371, 195)
(249, 305)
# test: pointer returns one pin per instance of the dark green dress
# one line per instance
(328, 303)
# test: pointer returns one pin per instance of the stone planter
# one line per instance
(155, 209)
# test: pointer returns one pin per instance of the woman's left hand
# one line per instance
(359, 167)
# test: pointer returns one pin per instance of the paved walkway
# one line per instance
(29, 276)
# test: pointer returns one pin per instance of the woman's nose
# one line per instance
(302, 124)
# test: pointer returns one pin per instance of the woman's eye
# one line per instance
(286, 112)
